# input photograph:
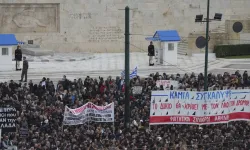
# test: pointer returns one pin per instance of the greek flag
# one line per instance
(132, 75)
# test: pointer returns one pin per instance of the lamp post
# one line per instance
(127, 88)
(206, 50)
(199, 18)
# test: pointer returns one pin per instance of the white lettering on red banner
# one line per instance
(192, 107)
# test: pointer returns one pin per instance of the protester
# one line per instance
(41, 107)
(7, 144)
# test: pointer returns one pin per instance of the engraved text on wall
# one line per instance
(105, 34)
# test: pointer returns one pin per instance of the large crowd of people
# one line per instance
(40, 109)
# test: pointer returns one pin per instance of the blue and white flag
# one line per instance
(132, 75)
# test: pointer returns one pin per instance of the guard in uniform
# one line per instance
(18, 57)
(151, 53)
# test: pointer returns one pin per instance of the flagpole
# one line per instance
(114, 133)
(113, 125)
(89, 117)
(127, 76)
(63, 118)
(88, 123)
(0, 135)
(113, 104)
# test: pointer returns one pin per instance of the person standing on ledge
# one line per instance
(25, 69)
(151, 53)
(18, 57)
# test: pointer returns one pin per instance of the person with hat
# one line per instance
(151, 53)
(25, 69)
(18, 57)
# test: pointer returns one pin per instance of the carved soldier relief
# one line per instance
(27, 19)
(16, 18)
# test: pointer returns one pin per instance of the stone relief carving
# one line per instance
(23, 18)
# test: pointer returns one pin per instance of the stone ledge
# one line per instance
(58, 60)
(37, 52)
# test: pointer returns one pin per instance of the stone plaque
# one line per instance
(27, 18)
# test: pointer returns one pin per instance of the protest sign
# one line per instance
(89, 112)
(192, 107)
(24, 132)
(167, 84)
(137, 90)
(8, 119)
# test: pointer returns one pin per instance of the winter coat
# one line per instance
(25, 65)
(18, 55)
(151, 50)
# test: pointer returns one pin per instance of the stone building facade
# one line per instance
(98, 25)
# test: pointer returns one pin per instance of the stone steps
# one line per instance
(35, 50)
(183, 47)
(5, 76)
(143, 72)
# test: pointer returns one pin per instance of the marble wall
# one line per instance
(98, 25)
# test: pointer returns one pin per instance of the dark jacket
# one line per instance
(151, 50)
(18, 55)
(25, 65)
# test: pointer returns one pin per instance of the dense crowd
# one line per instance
(41, 106)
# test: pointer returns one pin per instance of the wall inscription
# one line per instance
(25, 18)
(80, 16)
(105, 34)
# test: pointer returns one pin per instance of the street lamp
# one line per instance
(217, 16)
(199, 18)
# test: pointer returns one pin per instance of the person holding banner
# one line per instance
(76, 118)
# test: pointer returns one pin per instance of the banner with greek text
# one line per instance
(8, 119)
(166, 84)
(88, 112)
(193, 107)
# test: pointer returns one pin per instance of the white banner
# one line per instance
(167, 84)
(137, 90)
(191, 107)
(88, 112)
